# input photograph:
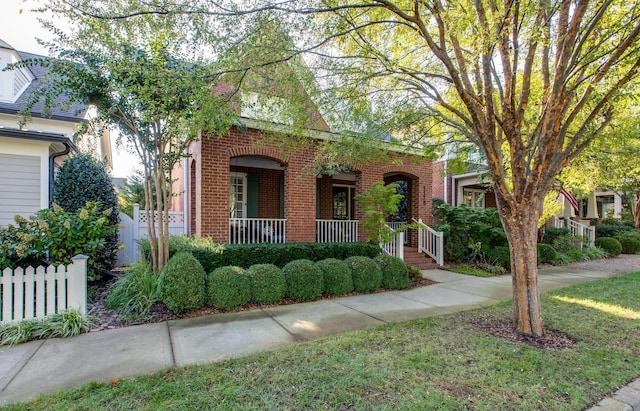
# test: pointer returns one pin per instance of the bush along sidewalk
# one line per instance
(183, 285)
(62, 324)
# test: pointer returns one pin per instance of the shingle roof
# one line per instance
(75, 113)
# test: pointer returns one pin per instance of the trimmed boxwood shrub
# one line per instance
(228, 287)
(395, 274)
(610, 245)
(304, 279)
(267, 283)
(336, 276)
(366, 274)
(181, 285)
(213, 255)
(500, 256)
(546, 254)
(629, 245)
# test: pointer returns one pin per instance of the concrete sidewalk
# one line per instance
(30, 369)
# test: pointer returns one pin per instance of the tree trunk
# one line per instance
(520, 221)
(636, 211)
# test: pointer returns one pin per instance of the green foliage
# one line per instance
(610, 245)
(611, 230)
(629, 245)
(132, 192)
(377, 203)
(616, 221)
(65, 323)
(336, 276)
(267, 283)
(546, 254)
(585, 254)
(481, 228)
(304, 279)
(366, 275)
(500, 256)
(181, 285)
(214, 255)
(564, 243)
(415, 273)
(454, 251)
(228, 288)
(134, 294)
(551, 233)
(395, 274)
(55, 236)
(82, 179)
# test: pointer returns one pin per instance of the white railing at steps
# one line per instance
(337, 231)
(257, 230)
(396, 246)
(577, 229)
(431, 242)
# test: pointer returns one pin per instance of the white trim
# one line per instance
(244, 194)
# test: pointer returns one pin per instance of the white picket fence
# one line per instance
(134, 229)
(34, 293)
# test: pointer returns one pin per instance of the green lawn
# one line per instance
(437, 363)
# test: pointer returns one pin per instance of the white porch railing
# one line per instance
(396, 246)
(337, 231)
(30, 293)
(257, 230)
(431, 242)
(577, 229)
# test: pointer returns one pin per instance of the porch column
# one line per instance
(592, 206)
(568, 209)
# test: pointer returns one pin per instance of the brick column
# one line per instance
(300, 197)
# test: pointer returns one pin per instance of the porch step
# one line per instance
(420, 260)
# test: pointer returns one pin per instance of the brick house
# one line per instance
(239, 188)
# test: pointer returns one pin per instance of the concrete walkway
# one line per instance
(30, 369)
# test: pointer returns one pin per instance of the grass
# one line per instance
(440, 363)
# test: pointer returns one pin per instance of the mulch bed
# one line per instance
(552, 339)
(108, 319)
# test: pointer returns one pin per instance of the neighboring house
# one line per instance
(30, 155)
(474, 190)
(237, 188)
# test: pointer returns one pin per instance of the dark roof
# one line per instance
(74, 114)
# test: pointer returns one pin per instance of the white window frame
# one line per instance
(478, 197)
(233, 210)
(350, 191)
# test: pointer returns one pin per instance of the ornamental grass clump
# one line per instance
(267, 283)
(228, 287)
(366, 275)
(304, 280)
(181, 285)
(135, 292)
(395, 274)
(336, 276)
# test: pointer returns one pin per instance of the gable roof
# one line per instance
(76, 112)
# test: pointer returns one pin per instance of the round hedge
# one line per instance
(336, 276)
(228, 287)
(629, 245)
(267, 283)
(546, 254)
(395, 274)
(181, 285)
(304, 279)
(366, 274)
(610, 245)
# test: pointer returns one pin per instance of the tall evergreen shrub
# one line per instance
(80, 179)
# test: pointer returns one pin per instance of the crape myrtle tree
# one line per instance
(145, 80)
(531, 83)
